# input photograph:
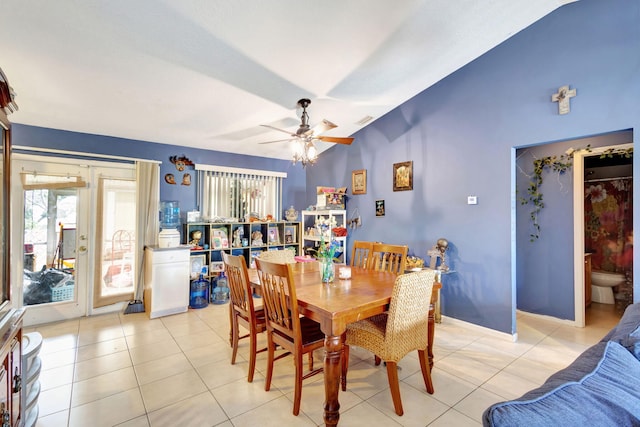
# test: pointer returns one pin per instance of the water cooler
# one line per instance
(169, 236)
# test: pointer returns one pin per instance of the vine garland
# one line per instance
(560, 164)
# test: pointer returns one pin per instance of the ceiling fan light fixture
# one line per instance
(305, 152)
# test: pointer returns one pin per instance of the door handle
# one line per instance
(82, 249)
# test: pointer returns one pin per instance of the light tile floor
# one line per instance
(129, 371)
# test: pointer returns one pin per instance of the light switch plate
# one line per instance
(472, 200)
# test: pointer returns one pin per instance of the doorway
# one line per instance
(62, 225)
(550, 263)
(603, 228)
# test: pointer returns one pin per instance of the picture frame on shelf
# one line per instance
(216, 267)
(403, 176)
(273, 236)
(219, 238)
(359, 181)
(196, 263)
(290, 234)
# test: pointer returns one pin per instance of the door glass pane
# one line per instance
(117, 223)
(49, 245)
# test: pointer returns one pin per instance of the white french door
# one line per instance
(56, 212)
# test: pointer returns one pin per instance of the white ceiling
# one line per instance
(207, 73)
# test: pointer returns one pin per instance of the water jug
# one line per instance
(169, 214)
(199, 294)
(220, 294)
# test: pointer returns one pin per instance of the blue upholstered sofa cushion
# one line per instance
(627, 331)
(609, 395)
(629, 323)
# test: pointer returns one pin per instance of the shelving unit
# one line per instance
(239, 238)
(311, 238)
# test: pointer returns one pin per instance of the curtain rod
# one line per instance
(607, 179)
(212, 168)
(80, 153)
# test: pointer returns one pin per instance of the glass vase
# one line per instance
(327, 271)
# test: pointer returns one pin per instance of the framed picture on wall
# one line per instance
(359, 182)
(403, 176)
(379, 207)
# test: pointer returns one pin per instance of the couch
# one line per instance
(600, 388)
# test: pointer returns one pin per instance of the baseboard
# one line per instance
(481, 329)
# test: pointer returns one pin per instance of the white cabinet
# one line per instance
(336, 218)
(166, 280)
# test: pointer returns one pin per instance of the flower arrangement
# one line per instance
(326, 252)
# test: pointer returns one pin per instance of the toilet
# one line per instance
(602, 283)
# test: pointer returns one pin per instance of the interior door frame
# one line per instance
(578, 227)
(82, 305)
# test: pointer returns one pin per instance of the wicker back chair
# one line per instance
(392, 258)
(392, 335)
(285, 327)
(242, 310)
(285, 256)
(360, 253)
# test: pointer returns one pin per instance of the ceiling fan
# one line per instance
(304, 150)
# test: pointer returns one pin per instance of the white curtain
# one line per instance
(148, 180)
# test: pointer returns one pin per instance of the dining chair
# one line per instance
(395, 333)
(284, 256)
(242, 310)
(297, 335)
(360, 253)
(385, 257)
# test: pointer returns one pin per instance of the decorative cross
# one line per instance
(562, 98)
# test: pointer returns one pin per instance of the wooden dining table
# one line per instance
(335, 305)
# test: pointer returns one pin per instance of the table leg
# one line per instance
(332, 371)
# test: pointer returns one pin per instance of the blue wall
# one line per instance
(462, 134)
(293, 188)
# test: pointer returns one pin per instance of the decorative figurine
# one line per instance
(291, 214)
(438, 251)
(196, 235)
(237, 237)
(256, 238)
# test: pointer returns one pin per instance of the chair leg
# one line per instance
(392, 374)
(252, 355)
(345, 366)
(426, 370)
(234, 338)
(231, 319)
(298, 388)
(377, 360)
(271, 348)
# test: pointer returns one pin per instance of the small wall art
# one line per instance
(403, 176)
(359, 182)
(379, 207)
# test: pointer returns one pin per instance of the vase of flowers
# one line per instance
(326, 254)
(327, 270)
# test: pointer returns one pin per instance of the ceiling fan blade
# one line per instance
(279, 130)
(278, 140)
(321, 127)
(336, 139)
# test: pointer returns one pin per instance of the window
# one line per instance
(235, 193)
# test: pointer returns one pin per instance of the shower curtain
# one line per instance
(608, 212)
